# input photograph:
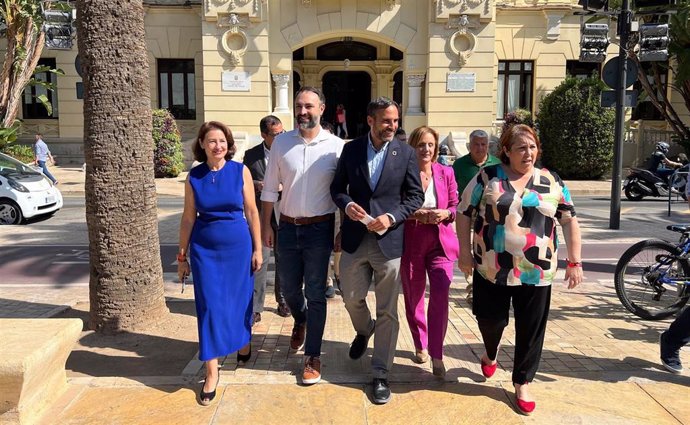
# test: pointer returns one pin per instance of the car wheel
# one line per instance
(10, 213)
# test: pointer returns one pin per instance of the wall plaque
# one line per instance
(236, 81)
(464, 82)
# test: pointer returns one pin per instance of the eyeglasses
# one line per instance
(276, 134)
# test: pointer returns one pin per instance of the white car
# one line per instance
(25, 192)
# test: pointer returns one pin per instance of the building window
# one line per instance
(582, 70)
(514, 86)
(176, 91)
(645, 110)
(32, 108)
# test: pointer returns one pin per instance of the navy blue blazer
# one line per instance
(398, 192)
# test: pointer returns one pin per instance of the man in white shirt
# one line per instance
(303, 162)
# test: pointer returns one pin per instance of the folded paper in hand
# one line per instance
(368, 219)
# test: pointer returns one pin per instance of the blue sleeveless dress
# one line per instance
(220, 257)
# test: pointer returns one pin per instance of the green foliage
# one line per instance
(8, 134)
(168, 160)
(576, 133)
(518, 116)
(21, 153)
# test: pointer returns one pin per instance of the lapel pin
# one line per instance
(394, 153)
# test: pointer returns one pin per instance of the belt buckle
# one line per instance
(297, 221)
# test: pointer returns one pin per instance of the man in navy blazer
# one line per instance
(256, 160)
(377, 184)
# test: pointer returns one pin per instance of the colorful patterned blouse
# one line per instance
(515, 239)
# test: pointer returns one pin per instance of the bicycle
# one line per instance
(652, 277)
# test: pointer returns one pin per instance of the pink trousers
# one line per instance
(423, 255)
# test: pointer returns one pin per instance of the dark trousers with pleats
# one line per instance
(491, 306)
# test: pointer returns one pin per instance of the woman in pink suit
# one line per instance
(430, 248)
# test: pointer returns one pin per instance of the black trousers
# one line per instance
(491, 305)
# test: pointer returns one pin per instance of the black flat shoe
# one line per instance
(244, 358)
(381, 391)
(206, 398)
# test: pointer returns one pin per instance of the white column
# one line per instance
(281, 85)
(414, 93)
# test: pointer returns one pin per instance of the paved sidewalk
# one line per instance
(600, 366)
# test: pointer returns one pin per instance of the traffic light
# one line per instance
(58, 28)
(594, 4)
(654, 3)
(654, 40)
(593, 42)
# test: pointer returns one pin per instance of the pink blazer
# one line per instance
(447, 198)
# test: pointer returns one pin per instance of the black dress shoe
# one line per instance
(381, 391)
(359, 344)
(283, 309)
(244, 358)
(206, 398)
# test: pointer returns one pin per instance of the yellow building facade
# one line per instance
(455, 65)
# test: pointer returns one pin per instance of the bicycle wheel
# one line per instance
(637, 279)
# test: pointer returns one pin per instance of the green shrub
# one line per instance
(21, 153)
(168, 160)
(518, 116)
(576, 133)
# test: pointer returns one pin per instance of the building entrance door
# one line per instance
(353, 90)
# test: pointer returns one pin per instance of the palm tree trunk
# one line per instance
(126, 278)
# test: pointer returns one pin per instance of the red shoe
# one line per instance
(488, 370)
(525, 407)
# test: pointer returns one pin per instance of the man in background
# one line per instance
(256, 159)
(466, 167)
(42, 155)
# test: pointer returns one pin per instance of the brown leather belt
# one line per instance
(301, 221)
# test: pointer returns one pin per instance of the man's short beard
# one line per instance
(311, 123)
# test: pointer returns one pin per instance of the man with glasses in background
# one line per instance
(256, 159)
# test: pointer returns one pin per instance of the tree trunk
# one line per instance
(126, 277)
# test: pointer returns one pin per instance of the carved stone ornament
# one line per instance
(441, 5)
(553, 24)
(234, 4)
(281, 80)
(390, 4)
(415, 80)
(306, 3)
(234, 21)
(463, 41)
(462, 44)
(234, 43)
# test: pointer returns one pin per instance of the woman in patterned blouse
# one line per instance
(515, 252)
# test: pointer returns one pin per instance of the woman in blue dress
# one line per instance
(220, 242)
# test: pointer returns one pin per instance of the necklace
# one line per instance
(424, 175)
(214, 172)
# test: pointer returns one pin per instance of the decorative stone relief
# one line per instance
(463, 41)
(234, 41)
(553, 24)
(390, 4)
(446, 7)
(217, 8)
(306, 3)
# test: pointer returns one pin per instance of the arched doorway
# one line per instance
(353, 90)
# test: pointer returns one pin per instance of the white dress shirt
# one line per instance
(305, 170)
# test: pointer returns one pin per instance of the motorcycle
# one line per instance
(641, 183)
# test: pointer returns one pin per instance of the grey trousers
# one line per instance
(356, 272)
